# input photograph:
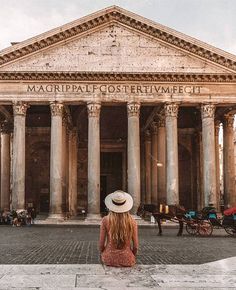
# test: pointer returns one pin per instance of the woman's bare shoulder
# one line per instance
(105, 220)
(134, 221)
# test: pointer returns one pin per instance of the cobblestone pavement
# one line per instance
(78, 245)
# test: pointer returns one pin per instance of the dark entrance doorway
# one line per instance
(38, 177)
(185, 178)
(111, 175)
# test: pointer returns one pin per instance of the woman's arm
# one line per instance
(135, 239)
(102, 238)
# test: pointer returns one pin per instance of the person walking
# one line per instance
(118, 241)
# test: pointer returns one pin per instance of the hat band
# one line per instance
(118, 203)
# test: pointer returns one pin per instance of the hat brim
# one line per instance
(119, 208)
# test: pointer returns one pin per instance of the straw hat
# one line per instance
(119, 201)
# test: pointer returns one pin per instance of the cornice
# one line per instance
(117, 14)
(108, 76)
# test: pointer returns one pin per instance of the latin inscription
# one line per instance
(114, 89)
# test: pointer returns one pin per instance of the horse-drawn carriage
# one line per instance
(227, 222)
(196, 223)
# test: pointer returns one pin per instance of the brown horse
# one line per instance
(167, 212)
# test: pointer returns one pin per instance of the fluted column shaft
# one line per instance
(64, 163)
(93, 158)
(5, 166)
(154, 160)
(148, 167)
(172, 171)
(209, 157)
(133, 110)
(18, 186)
(73, 171)
(228, 157)
(56, 160)
(161, 156)
(217, 128)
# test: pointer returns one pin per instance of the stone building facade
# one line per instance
(235, 151)
(97, 104)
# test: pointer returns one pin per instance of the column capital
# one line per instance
(20, 108)
(207, 111)
(57, 109)
(229, 121)
(133, 109)
(6, 127)
(94, 109)
(154, 128)
(171, 110)
(147, 135)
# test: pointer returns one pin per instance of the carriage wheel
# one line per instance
(205, 228)
(192, 228)
(230, 231)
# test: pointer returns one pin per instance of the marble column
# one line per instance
(64, 163)
(228, 157)
(18, 178)
(133, 109)
(148, 162)
(56, 176)
(94, 109)
(172, 171)
(142, 169)
(217, 150)
(209, 156)
(161, 156)
(5, 165)
(154, 160)
(73, 145)
(200, 194)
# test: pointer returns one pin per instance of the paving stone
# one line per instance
(79, 245)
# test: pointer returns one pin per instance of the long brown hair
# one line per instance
(120, 228)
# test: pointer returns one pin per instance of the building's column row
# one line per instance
(165, 152)
(163, 135)
(162, 158)
(18, 164)
(58, 179)
(228, 159)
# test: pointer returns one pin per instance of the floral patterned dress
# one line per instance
(110, 255)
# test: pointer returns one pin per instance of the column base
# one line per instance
(93, 217)
(136, 217)
(55, 216)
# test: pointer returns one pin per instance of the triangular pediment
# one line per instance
(115, 40)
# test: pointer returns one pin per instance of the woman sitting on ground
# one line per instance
(118, 232)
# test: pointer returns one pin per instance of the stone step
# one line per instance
(215, 275)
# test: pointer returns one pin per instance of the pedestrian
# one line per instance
(118, 242)
(33, 215)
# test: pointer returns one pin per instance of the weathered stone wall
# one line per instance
(113, 48)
